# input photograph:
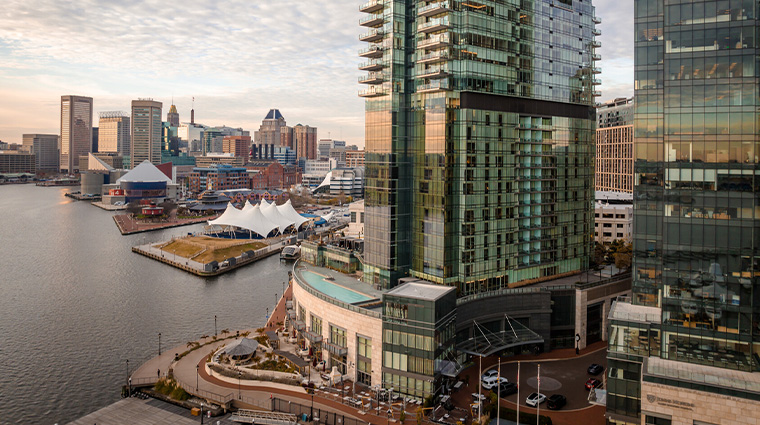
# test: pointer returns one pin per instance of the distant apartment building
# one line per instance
(305, 141)
(146, 131)
(239, 146)
(354, 159)
(17, 162)
(220, 158)
(324, 146)
(285, 155)
(45, 150)
(265, 175)
(114, 134)
(76, 131)
(218, 177)
(613, 216)
(614, 146)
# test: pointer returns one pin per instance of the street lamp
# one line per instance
(201, 412)
(240, 375)
(196, 377)
(215, 325)
(312, 407)
(159, 344)
(129, 381)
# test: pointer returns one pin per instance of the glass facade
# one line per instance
(480, 140)
(146, 132)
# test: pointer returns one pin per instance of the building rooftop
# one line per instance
(145, 172)
(421, 291)
(624, 310)
(709, 375)
(608, 195)
(274, 114)
(306, 271)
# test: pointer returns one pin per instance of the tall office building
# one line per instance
(76, 131)
(146, 131)
(45, 150)
(269, 132)
(305, 141)
(114, 134)
(238, 146)
(684, 349)
(172, 117)
(479, 143)
(614, 146)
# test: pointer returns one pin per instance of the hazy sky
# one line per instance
(238, 58)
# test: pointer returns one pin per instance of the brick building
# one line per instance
(272, 175)
(218, 177)
(239, 146)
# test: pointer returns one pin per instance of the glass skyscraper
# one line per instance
(696, 303)
(479, 140)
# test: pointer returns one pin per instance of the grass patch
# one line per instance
(216, 249)
(171, 388)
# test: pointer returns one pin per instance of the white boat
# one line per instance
(290, 252)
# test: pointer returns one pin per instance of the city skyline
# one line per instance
(302, 70)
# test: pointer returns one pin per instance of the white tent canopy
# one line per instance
(261, 219)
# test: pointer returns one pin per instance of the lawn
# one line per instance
(216, 249)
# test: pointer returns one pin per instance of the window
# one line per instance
(364, 347)
(652, 420)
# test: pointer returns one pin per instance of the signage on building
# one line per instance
(667, 402)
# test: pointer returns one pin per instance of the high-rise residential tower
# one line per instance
(685, 348)
(76, 131)
(614, 146)
(479, 141)
(305, 141)
(146, 131)
(114, 132)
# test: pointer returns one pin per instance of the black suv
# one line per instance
(595, 369)
(506, 388)
(556, 401)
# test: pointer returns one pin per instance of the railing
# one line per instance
(439, 38)
(434, 55)
(373, 33)
(374, 91)
(370, 49)
(444, 22)
(432, 6)
(436, 85)
(208, 395)
(372, 63)
(372, 76)
(371, 18)
(305, 286)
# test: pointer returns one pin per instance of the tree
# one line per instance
(624, 256)
(168, 206)
(599, 253)
(134, 208)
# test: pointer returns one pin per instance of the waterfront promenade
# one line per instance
(128, 225)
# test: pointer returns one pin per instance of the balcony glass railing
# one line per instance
(371, 20)
(371, 50)
(372, 35)
(374, 63)
(372, 6)
(435, 85)
(442, 5)
(435, 56)
(372, 92)
(433, 40)
(434, 24)
(372, 76)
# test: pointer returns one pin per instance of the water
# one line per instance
(76, 303)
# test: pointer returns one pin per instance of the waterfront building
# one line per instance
(144, 183)
(111, 159)
(76, 131)
(45, 150)
(218, 177)
(239, 146)
(146, 131)
(305, 141)
(479, 144)
(354, 158)
(684, 348)
(614, 146)
(613, 216)
(15, 162)
(114, 134)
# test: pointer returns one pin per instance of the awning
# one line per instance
(335, 349)
(299, 325)
(313, 336)
(485, 342)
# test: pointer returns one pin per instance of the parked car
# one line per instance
(534, 399)
(595, 369)
(506, 388)
(490, 374)
(593, 383)
(491, 383)
(556, 401)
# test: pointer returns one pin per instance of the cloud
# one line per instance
(617, 47)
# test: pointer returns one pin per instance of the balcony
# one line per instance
(596, 56)
(372, 78)
(435, 42)
(434, 86)
(372, 6)
(596, 93)
(435, 72)
(597, 20)
(596, 32)
(596, 81)
(372, 65)
(435, 57)
(372, 21)
(434, 9)
(373, 92)
(374, 35)
(371, 52)
(434, 25)
(596, 44)
(596, 70)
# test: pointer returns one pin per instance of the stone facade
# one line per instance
(684, 406)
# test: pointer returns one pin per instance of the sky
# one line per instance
(237, 58)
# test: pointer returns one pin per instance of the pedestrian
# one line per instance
(159, 373)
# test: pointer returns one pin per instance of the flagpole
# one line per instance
(538, 400)
(480, 386)
(498, 393)
(518, 392)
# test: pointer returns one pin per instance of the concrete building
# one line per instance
(114, 134)
(17, 162)
(614, 146)
(356, 221)
(237, 146)
(45, 150)
(343, 181)
(354, 158)
(324, 146)
(271, 128)
(76, 131)
(146, 131)
(305, 141)
(685, 348)
(613, 217)
(285, 155)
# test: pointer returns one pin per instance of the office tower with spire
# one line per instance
(76, 131)
(172, 117)
(685, 348)
(146, 131)
(479, 141)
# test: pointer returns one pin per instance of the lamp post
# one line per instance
(240, 375)
(215, 325)
(196, 377)
(312, 406)
(159, 344)
(201, 412)
(128, 380)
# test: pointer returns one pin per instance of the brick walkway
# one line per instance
(278, 315)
